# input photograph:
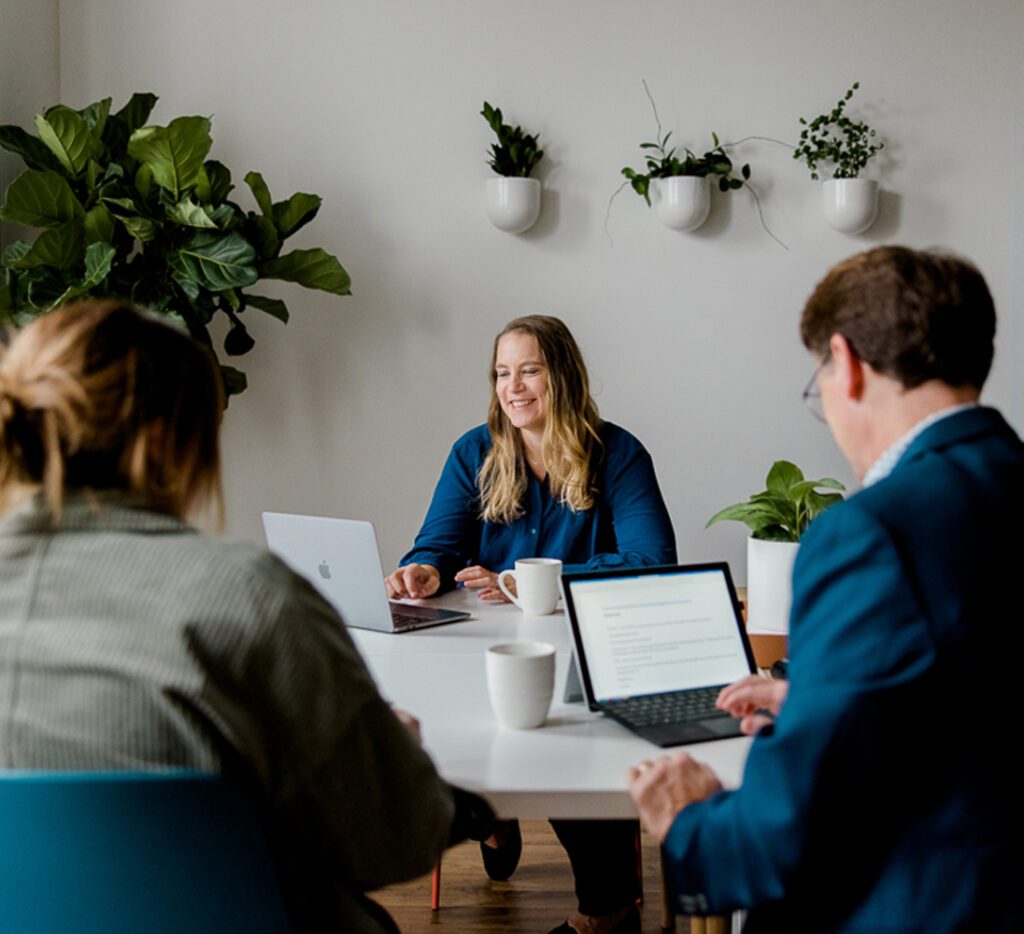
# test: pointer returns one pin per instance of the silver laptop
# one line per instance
(654, 646)
(341, 559)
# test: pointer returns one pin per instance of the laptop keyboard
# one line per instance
(655, 709)
(404, 620)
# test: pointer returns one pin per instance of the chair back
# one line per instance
(113, 852)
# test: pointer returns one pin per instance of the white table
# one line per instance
(573, 766)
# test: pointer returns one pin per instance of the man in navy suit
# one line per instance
(882, 796)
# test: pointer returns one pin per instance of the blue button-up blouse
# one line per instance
(627, 526)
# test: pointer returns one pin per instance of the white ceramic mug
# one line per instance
(521, 682)
(536, 585)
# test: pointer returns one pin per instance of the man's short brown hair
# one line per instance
(912, 315)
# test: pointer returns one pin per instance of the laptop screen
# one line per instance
(669, 629)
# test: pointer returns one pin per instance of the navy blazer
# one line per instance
(883, 798)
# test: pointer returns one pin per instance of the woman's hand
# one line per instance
(746, 697)
(483, 581)
(414, 581)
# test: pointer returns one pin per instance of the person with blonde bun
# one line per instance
(130, 641)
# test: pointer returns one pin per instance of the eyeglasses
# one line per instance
(812, 394)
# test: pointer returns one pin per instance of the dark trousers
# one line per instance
(603, 858)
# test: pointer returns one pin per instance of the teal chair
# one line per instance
(146, 853)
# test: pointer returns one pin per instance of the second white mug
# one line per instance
(536, 584)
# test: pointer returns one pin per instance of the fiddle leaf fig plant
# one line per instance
(783, 510)
(138, 212)
(834, 137)
(515, 153)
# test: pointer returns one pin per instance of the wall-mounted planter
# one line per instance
(513, 203)
(851, 204)
(681, 202)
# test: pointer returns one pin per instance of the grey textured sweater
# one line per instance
(130, 641)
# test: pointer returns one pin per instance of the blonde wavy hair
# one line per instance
(571, 443)
(99, 396)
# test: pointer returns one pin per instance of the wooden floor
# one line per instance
(535, 900)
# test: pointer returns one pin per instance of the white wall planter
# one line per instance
(851, 204)
(681, 202)
(513, 204)
(769, 584)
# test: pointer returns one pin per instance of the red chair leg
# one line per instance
(435, 888)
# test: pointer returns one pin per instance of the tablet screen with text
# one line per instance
(658, 632)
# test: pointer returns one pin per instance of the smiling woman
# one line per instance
(545, 477)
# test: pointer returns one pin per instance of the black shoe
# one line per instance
(501, 862)
(629, 924)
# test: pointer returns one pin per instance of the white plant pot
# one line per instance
(851, 204)
(769, 584)
(513, 204)
(681, 202)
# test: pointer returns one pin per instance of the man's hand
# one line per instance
(746, 697)
(663, 788)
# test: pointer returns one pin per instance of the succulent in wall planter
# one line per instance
(777, 518)
(513, 198)
(137, 212)
(850, 203)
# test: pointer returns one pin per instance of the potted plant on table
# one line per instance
(138, 212)
(850, 202)
(777, 518)
(513, 198)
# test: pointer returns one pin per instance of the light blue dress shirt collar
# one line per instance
(882, 467)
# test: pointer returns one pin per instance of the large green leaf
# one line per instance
(142, 228)
(95, 117)
(315, 269)
(98, 259)
(61, 248)
(272, 306)
(99, 225)
(217, 261)
(14, 252)
(175, 153)
(189, 214)
(260, 192)
(218, 177)
(237, 341)
(294, 213)
(782, 476)
(234, 380)
(32, 150)
(754, 515)
(40, 198)
(136, 112)
(66, 134)
(263, 235)
(45, 288)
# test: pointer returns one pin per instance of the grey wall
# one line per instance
(29, 76)
(691, 338)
